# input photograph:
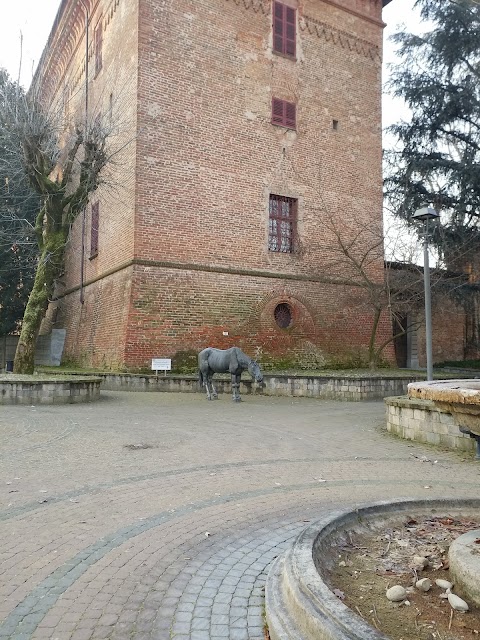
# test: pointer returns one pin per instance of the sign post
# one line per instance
(161, 364)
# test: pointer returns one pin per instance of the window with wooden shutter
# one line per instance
(94, 229)
(282, 223)
(284, 29)
(284, 114)
(98, 39)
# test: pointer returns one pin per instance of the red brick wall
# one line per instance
(96, 329)
(193, 191)
(207, 154)
(208, 158)
(183, 310)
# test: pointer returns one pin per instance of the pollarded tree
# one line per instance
(437, 159)
(63, 167)
(18, 207)
(17, 265)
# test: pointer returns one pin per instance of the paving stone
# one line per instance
(181, 627)
(219, 631)
(200, 624)
(238, 623)
(81, 634)
(220, 608)
(119, 550)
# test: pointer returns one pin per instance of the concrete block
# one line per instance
(433, 438)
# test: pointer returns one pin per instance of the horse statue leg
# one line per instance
(214, 391)
(235, 388)
(211, 391)
(204, 378)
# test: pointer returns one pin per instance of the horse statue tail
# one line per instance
(201, 378)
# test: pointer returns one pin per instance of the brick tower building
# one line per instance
(251, 129)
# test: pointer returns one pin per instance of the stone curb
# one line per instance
(300, 605)
(465, 566)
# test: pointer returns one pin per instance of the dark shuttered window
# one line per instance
(94, 229)
(284, 113)
(282, 223)
(284, 29)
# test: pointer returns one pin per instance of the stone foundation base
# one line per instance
(423, 421)
(19, 389)
(325, 387)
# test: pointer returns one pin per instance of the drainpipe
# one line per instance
(84, 213)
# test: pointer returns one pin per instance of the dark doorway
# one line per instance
(400, 341)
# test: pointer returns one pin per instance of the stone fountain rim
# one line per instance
(461, 391)
(315, 606)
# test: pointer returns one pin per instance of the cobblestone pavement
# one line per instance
(150, 516)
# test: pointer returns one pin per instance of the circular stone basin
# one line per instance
(459, 397)
(299, 603)
(464, 558)
(41, 389)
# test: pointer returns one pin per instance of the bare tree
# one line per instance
(64, 166)
(391, 288)
(18, 207)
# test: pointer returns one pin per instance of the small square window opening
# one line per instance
(284, 114)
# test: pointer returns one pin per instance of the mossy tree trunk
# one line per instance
(65, 193)
(49, 266)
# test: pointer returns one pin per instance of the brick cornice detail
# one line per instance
(322, 29)
(67, 32)
(341, 38)
(259, 6)
(249, 273)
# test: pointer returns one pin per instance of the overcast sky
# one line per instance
(34, 18)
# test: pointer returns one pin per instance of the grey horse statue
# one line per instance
(231, 360)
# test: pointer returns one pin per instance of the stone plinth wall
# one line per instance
(328, 388)
(19, 390)
(423, 421)
(333, 388)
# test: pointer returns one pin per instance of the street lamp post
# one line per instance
(425, 214)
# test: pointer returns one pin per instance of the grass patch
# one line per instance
(415, 374)
(461, 364)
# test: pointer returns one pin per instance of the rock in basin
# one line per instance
(397, 593)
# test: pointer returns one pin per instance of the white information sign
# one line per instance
(161, 364)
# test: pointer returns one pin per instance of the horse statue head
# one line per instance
(254, 371)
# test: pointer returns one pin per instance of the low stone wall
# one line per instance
(423, 421)
(333, 388)
(328, 387)
(32, 390)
